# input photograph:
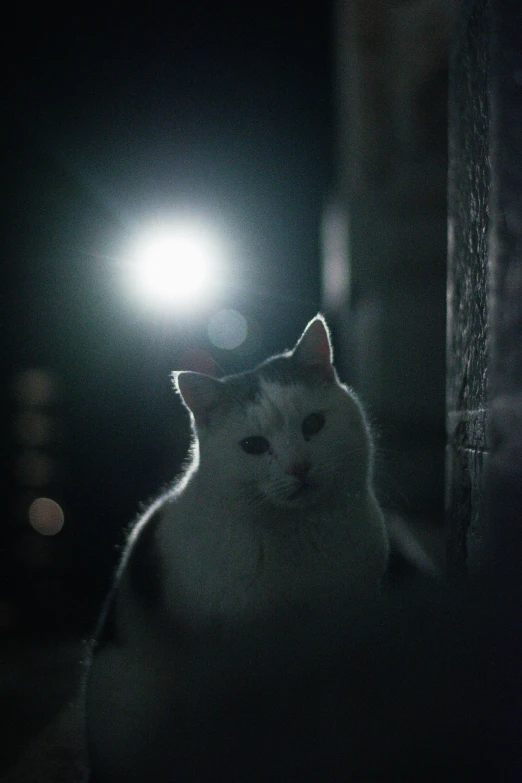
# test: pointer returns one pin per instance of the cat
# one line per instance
(275, 508)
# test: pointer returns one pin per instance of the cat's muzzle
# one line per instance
(303, 492)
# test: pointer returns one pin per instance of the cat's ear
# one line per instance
(200, 393)
(314, 348)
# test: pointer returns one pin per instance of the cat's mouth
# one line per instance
(303, 491)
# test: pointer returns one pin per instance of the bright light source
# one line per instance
(175, 267)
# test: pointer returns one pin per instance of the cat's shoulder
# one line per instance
(138, 576)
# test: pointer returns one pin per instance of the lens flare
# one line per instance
(227, 329)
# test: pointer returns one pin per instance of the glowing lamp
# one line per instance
(175, 268)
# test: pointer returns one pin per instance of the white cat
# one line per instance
(275, 507)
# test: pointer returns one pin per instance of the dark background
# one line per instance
(114, 117)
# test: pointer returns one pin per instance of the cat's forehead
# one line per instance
(272, 393)
(277, 403)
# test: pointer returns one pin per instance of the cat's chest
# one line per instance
(230, 565)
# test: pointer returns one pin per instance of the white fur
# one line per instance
(237, 541)
(240, 534)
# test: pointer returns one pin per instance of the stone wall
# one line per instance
(503, 469)
(467, 334)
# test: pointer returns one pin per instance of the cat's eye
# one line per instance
(255, 444)
(312, 424)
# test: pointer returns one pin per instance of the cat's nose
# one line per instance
(299, 469)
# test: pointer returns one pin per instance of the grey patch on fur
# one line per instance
(245, 388)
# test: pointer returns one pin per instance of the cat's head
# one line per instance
(286, 433)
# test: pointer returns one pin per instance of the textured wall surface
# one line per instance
(503, 478)
(467, 334)
(484, 344)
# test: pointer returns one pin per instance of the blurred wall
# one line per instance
(391, 193)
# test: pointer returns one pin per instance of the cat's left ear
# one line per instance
(200, 393)
(314, 348)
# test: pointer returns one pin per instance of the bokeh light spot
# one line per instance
(46, 516)
(33, 428)
(34, 468)
(34, 387)
(227, 329)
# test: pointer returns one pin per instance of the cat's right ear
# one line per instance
(200, 393)
(314, 348)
